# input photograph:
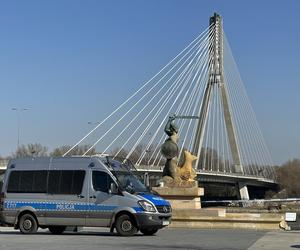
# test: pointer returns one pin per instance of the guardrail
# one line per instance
(269, 204)
(256, 200)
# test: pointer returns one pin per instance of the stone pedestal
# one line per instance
(180, 197)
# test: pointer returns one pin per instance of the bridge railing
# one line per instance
(269, 204)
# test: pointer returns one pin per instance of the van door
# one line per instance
(66, 198)
(101, 203)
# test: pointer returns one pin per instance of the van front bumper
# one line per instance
(151, 220)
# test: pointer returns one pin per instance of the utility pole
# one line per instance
(19, 110)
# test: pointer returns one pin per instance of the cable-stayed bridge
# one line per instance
(201, 82)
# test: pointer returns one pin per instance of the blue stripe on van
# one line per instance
(53, 206)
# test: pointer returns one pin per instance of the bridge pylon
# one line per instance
(216, 77)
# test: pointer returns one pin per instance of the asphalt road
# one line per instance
(90, 239)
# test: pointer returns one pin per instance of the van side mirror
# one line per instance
(113, 188)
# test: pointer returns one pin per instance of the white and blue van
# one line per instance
(54, 193)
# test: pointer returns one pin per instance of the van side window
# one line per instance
(53, 182)
(78, 179)
(27, 182)
(40, 182)
(65, 181)
(59, 181)
(101, 181)
(13, 182)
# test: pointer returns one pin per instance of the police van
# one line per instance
(54, 193)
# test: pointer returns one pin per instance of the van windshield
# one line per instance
(122, 170)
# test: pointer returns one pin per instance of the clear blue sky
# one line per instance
(72, 62)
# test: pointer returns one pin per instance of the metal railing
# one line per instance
(247, 203)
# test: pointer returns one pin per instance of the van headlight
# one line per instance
(147, 206)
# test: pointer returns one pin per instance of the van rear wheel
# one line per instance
(149, 231)
(28, 224)
(125, 225)
(57, 229)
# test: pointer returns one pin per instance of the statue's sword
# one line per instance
(185, 117)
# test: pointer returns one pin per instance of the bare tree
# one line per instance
(138, 151)
(32, 149)
(288, 177)
(122, 154)
(79, 150)
(141, 154)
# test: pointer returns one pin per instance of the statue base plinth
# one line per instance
(181, 198)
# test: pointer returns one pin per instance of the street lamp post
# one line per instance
(19, 110)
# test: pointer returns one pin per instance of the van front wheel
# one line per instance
(28, 224)
(57, 229)
(125, 225)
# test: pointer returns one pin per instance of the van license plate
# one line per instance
(165, 222)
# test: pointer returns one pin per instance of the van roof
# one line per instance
(48, 159)
(43, 162)
(70, 162)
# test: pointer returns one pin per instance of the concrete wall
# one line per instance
(219, 219)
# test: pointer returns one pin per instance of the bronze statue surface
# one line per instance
(174, 175)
